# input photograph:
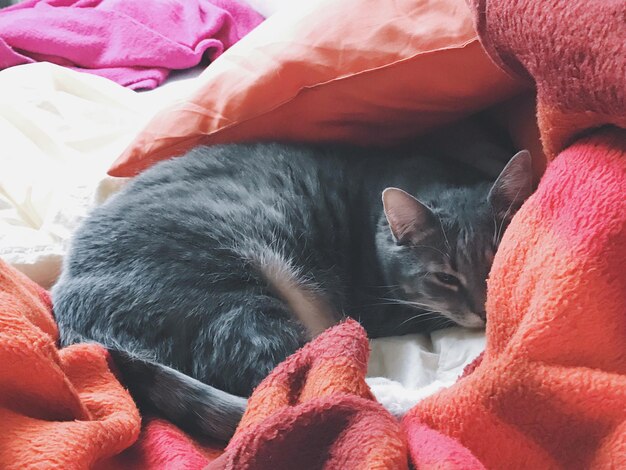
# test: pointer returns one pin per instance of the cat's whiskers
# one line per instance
(390, 286)
(499, 230)
(383, 303)
(421, 315)
(405, 302)
(443, 322)
(494, 239)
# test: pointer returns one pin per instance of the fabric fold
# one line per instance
(315, 411)
(135, 44)
(58, 408)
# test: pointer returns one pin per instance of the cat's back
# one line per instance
(232, 168)
(213, 197)
(182, 258)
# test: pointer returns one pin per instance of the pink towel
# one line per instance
(135, 43)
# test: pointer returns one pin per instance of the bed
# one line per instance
(65, 134)
(66, 128)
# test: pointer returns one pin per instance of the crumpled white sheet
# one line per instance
(405, 369)
(59, 132)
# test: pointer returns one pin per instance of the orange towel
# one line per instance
(64, 409)
(316, 411)
(58, 408)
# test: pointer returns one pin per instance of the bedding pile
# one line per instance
(549, 391)
(136, 44)
(64, 408)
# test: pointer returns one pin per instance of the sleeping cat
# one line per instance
(208, 270)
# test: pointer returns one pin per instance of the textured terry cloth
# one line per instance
(315, 411)
(550, 392)
(64, 408)
(134, 43)
(58, 408)
(162, 446)
(575, 53)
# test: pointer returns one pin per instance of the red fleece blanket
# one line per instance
(550, 389)
(65, 409)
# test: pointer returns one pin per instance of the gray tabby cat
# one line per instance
(208, 270)
(8, 3)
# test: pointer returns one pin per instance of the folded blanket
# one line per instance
(574, 51)
(64, 409)
(315, 411)
(59, 409)
(134, 43)
(550, 391)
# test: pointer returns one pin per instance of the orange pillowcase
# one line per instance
(367, 72)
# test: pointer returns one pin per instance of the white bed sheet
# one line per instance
(60, 130)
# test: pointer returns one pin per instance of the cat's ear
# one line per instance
(513, 186)
(409, 219)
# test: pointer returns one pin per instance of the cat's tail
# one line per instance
(188, 403)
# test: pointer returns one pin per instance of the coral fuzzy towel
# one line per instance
(58, 408)
(134, 43)
(64, 409)
(575, 53)
(550, 391)
(315, 411)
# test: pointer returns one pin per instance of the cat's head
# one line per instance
(437, 253)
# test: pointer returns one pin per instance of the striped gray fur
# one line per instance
(209, 269)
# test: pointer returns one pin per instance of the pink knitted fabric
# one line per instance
(134, 43)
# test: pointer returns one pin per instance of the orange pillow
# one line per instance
(361, 71)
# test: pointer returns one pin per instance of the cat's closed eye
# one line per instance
(447, 279)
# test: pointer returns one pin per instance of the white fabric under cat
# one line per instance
(60, 130)
(405, 369)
